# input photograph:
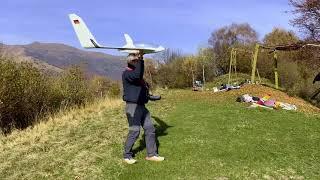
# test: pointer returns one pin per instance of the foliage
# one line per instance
(173, 75)
(27, 95)
(234, 35)
(280, 36)
(307, 17)
(266, 64)
(167, 56)
(100, 85)
(114, 90)
(73, 87)
(180, 70)
(190, 67)
(208, 59)
(295, 68)
(23, 95)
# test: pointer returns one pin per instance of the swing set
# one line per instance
(255, 55)
(233, 62)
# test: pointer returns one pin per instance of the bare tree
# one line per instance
(307, 17)
(230, 36)
(207, 60)
(167, 56)
(190, 64)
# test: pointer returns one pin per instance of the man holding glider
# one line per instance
(136, 95)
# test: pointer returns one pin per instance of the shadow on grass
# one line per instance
(161, 130)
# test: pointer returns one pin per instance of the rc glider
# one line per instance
(87, 40)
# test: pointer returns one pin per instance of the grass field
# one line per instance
(202, 135)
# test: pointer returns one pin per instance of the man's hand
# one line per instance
(140, 55)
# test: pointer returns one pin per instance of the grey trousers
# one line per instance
(138, 115)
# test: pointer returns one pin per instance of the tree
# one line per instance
(207, 61)
(167, 56)
(172, 74)
(308, 20)
(226, 37)
(266, 62)
(190, 64)
(280, 36)
(307, 17)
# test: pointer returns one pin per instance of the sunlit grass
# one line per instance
(72, 144)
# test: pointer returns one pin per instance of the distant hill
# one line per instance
(17, 54)
(56, 57)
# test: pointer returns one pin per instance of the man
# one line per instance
(136, 95)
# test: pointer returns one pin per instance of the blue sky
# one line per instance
(178, 24)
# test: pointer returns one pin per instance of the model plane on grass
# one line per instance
(87, 40)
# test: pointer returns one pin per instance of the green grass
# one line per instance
(210, 140)
(201, 136)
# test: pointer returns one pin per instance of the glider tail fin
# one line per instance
(84, 35)
(129, 41)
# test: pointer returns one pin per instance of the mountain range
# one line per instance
(54, 57)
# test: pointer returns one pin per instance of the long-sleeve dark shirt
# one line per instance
(135, 89)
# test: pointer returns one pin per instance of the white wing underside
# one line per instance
(87, 40)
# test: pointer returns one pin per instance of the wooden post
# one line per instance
(233, 64)
(254, 63)
(192, 78)
(203, 77)
(276, 76)
(230, 67)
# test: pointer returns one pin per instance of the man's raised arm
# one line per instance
(137, 73)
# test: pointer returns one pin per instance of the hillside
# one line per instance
(17, 54)
(203, 135)
(59, 56)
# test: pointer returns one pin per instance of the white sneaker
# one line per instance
(155, 158)
(130, 161)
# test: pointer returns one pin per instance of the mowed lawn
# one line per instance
(201, 135)
(205, 139)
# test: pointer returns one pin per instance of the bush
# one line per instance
(101, 86)
(23, 95)
(26, 94)
(73, 87)
(173, 75)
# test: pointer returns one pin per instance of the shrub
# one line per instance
(73, 87)
(26, 93)
(289, 76)
(23, 95)
(114, 90)
(100, 86)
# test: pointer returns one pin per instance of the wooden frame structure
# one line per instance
(233, 62)
(275, 49)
